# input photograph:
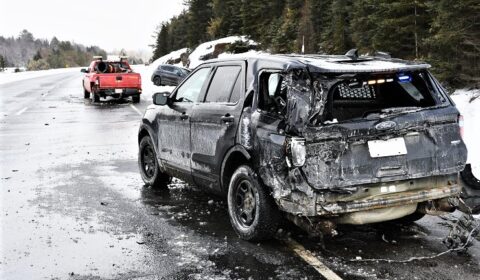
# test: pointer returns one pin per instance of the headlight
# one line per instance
(298, 151)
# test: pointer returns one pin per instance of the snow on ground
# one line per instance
(471, 116)
(208, 48)
(147, 85)
(7, 77)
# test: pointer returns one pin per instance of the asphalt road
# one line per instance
(73, 206)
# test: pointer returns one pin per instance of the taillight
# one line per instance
(461, 125)
(97, 81)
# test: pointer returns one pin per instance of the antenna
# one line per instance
(353, 54)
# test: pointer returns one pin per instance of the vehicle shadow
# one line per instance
(108, 103)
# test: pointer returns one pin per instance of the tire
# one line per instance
(148, 165)
(136, 98)
(261, 219)
(95, 97)
(86, 94)
(409, 219)
(157, 81)
(469, 179)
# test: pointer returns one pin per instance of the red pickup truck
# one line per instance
(111, 78)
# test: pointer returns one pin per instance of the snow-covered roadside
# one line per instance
(471, 116)
(14, 77)
(169, 57)
(147, 85)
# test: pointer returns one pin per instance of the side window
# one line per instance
(273, 93)
(191, 88)
(237, 88)
(222, 84)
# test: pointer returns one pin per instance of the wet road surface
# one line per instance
(73, 206)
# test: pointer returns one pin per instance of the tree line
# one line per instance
(40, 54)
(445, 33)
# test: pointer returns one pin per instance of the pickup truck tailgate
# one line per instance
(123, 80)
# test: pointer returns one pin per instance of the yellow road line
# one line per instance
(311, 260)
(136, 110)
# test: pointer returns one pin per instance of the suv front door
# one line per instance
(174, 124)
(214, 123)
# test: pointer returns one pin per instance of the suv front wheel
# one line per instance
(148, 165)
(253, 213)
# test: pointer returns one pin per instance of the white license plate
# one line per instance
(118, 90)
(387, 148)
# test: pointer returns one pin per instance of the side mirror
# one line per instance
(161, 98)
(83, 70)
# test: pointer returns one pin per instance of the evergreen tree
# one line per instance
(336, 37)
(455, 41)
(3, 63)
(199, 15)
(162, 43)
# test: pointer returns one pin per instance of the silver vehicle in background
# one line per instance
(169, 75)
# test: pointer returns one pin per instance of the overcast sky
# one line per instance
(109, 24)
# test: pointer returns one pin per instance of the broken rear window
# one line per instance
(368, 96)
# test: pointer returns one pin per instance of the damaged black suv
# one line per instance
(328, 139)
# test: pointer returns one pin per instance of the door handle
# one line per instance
(227, 118)
(184, 116)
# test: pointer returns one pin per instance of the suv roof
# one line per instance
(328, 63)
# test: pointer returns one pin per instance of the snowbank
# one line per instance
(169, 57)
(207, 48)
(14, 77)
(147, 85)
(471, 115)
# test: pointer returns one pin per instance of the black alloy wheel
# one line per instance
(253, 213)
(149, 162)
(148, 165)
(245, 204)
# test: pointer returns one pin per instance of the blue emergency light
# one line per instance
(403, 78)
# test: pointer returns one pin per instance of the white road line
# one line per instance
(136, 110)
(311, 260)
(21, 111)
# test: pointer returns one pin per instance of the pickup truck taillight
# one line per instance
(461, 125)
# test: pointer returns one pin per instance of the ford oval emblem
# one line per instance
(387, 125)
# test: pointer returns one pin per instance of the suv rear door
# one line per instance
(214, 123)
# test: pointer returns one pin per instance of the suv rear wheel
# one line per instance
(157, 81)
(148, 164)
(253, 213)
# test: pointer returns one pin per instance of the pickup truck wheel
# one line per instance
(157, 81)
(253, 213)
(95, 98)
(136, 98)
(148, 164)
(86, 94)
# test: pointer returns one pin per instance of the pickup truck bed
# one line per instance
(114, 79)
